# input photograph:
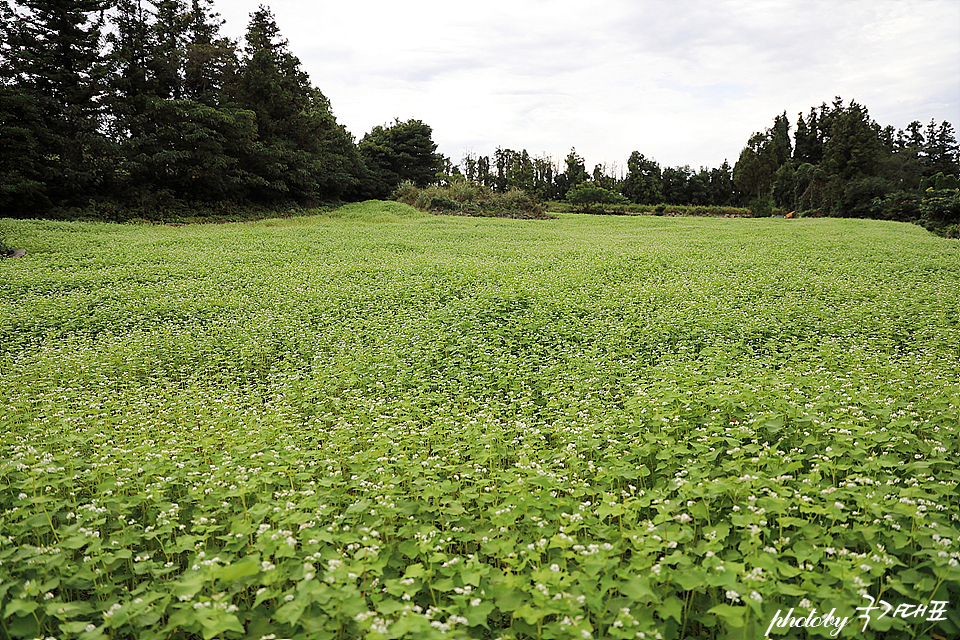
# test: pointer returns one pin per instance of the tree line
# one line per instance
(841, 162)
(643, 182)
(143, 104)
(838, 162)
(121, 106)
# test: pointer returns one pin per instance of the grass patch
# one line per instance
(319, 427)
(376, 211)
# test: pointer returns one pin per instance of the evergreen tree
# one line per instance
(484, 176)
(301, 153)
(779, 134)
(53, 75)
(468, 166)
(574, 173)
(698, 188)
(503, 160)
(854, 149)
(723, 191)
(784, 188)
(939, 150)
(22, 191)
(522, 173)
(675, 184)
(543, 178)
(398, 152)
(210, 60)
(179, 136)
(807, 148)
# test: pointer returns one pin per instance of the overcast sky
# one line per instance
(681, 81)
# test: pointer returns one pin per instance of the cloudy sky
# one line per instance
(681, 81)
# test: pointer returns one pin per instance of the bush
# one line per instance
(940, 208)
(589, 197)
(407, 193)
(899, 206)
(436, 202)
(860, 198)
(461, 197)
(761, 207)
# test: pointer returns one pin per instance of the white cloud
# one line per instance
(683, 82)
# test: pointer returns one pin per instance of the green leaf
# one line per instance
(414, 571)
(65, 610)
(637, 589)
(690, 579)
(734, 616)
(672, 607)
(477, 616)
(20, 607)
(248, 566)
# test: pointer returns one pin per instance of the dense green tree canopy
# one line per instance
(397, 152)
(54, 78)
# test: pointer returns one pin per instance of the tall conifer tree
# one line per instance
(54, 79)
(301, 152)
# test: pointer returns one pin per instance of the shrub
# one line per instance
(940, 208)
(589, 197)
(761, 207)
(860, 198)
(466, 198)
(407, 193)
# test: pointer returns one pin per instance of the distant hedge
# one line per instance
(715, 211)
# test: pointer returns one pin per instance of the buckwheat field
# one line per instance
(376, 423)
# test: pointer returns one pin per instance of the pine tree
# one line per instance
(755, 169)
(854, 149)
(301, 153)
(210, 60)
(939, 150)
(54, 79)
(22, 191)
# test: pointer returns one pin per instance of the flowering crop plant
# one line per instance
(376, 423)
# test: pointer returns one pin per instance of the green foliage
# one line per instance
(662, 209)
(845, 165)
(22, 190)
(756, 167)
(166, 115)
(761, 207)
(941, 210)
(589, 197)
(53, 73)
(642, 184)
(398, 152)
(900, 206)
(942, 182)
(574, 173)
(853, 150)
(455, 427)
(300, 153)
(860, 196)
(461, 197)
